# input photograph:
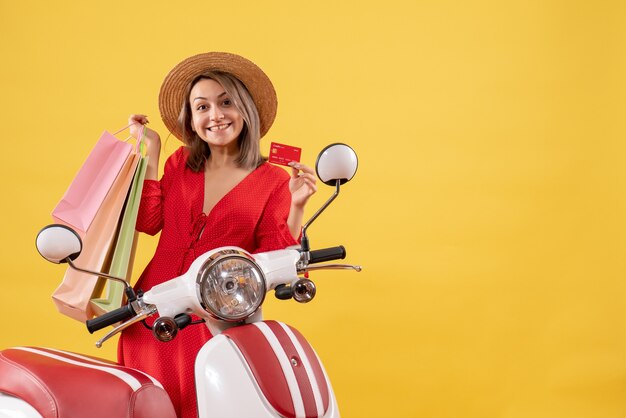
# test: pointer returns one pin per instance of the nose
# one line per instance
(216, 113)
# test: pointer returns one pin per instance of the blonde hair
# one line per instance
(249, 149)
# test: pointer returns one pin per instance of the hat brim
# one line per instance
(256, 81)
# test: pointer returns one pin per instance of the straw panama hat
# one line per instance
(258, 84)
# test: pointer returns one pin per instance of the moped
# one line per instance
(250, 368)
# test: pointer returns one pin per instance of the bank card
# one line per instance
(284, 154)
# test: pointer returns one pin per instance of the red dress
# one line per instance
(253, 216)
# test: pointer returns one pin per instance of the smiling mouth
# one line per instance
(219, 127)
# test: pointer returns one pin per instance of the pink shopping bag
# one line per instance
(72, 297)
(83, 198)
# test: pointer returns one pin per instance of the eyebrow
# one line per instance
(204, 98)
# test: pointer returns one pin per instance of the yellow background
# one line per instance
(488, 210)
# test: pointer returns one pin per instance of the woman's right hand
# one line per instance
(152, 141)
(137, 123)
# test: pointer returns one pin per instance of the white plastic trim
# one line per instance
(319, 404)
(154, 381)
(285, 364)
(125, 377)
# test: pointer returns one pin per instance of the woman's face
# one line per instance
(214, 116)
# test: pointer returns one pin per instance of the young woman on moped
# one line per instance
(217, 190)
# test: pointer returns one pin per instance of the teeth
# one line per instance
(219, 127)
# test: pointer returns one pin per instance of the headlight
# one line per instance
(230, 285)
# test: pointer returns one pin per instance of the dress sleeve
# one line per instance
(272, 231)
(150, 216)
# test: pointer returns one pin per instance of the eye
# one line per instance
(226, 102)
(202, 107)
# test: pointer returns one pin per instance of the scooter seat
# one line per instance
(61, 384)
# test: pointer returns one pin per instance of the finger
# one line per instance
(308, 184)
(311, 185)
(141, 119)
(302, 167)
(309, 177)
(306, 169)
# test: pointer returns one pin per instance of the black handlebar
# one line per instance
(327, 254)
(110, 318)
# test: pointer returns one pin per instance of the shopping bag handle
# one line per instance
(142, 133)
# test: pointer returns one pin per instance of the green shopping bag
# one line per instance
(124, 253)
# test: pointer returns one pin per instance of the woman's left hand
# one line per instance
(302, 184)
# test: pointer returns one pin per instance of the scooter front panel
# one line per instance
(311, 372)
(281, 367)
(225, 385)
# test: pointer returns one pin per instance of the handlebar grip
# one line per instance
(110, 318)
(327, 254)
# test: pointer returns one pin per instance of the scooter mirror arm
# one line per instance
(305, 239)
(130, 293)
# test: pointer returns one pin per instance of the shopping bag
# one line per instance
(86, 193)
(73, 296)
(124, 253)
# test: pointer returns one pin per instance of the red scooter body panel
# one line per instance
(63, 384)
(263, 346)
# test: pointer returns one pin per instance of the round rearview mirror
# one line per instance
(57, 243)
(336, 162)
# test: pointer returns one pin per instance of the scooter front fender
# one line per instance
(265, 369)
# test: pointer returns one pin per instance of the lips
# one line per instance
(220, 127)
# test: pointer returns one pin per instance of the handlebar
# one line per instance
(110, 318)
(327, 254)
(138, 312)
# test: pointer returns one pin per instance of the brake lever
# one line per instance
(146, 313)
(330, 267)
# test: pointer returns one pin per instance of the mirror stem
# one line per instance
(106, 276)
(305, 239)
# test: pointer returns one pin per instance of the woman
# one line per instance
(215, 191)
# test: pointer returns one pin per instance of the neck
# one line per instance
(221, 157)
